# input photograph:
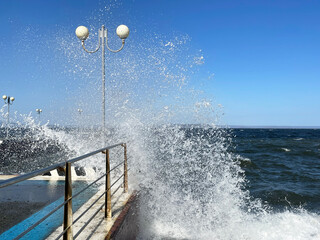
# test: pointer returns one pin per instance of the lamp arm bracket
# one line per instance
(115, 51)
(84, 48)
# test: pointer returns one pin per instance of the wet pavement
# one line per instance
(19, 201)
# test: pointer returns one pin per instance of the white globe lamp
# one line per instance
(123, 31)
(82, 33)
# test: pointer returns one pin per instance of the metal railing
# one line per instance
(67, 217)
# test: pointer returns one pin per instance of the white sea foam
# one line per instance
(286, 149)
(298, 139)
(191, 186)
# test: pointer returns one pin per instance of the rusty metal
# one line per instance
(125, 169)
(108, 212)
(67, 221)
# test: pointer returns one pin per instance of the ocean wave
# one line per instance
(244, 159)
(286, 149)
(287, 225)
(244, 162)
(310, 153)
(298, 139)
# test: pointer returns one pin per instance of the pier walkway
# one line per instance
(97, 214)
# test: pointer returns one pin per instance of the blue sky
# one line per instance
(264, 54)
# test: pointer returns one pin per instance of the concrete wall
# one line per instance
(126, 226)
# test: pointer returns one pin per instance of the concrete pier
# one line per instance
(99, 227)
(20, 203)
(87, 208)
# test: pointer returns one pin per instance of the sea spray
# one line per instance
(191, 186)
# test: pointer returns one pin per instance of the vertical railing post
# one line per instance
(125, 170)
(108, 212)
(67, 222)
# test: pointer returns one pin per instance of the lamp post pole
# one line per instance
(39, 111)
(103, 71)
(9, 101)
(80, 112)
(83, 33)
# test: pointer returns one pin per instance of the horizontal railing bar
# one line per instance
(116, 190)
(99, 197)
(85, 211)
(50, 168)
(92, 205)
(41, 220)
(90, 219)
(92, 153)
(116, 167)
(59, 206)
(29, 175)
(63, 232)
(115, 182)
(75, 195)
(55, 166)
(89, 208)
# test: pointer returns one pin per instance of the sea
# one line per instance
(281, 166)
(195, 181)
(199, 182)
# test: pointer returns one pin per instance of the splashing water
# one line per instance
(191, 186)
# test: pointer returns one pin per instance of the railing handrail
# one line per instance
(67, 219)
(42, 171)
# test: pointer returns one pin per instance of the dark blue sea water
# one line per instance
(192, 172)
(282, 166)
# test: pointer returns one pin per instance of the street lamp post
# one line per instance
(80, 112)
(83, 33)
(39, 111)
(9, 101)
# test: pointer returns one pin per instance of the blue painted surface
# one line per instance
(45, 228)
